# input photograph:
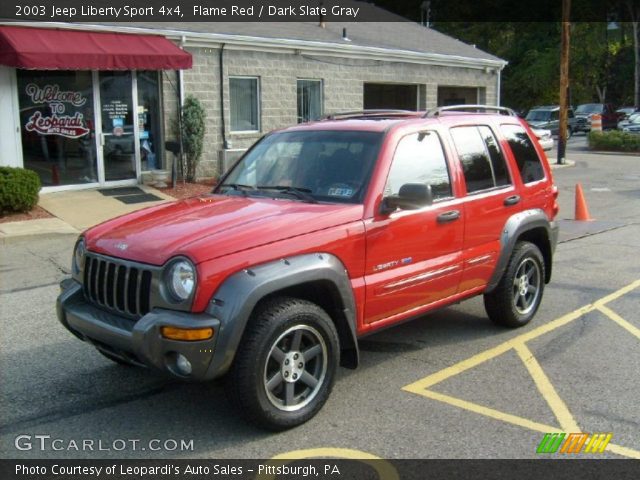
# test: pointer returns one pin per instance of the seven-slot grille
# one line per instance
(121, 287)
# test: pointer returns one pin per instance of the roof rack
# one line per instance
(371, 113)
(471, 109)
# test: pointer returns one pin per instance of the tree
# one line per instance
(193, 130)
(634, 12)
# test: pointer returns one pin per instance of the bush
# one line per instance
(193, 129)
(615, 141)
(18, 189)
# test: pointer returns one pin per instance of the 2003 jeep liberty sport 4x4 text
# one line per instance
(321, 233)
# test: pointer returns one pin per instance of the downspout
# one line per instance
(499, 86)
(225, 143)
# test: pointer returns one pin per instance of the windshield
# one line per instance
(589, 108)
(331, 166)
(538, 115)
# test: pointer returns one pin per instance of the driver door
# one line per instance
(414, 256)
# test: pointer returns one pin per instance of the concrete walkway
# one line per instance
(74, 212)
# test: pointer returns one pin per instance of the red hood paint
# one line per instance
(211, 226)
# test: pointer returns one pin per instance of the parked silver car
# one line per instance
(544, 138)
(627, 121)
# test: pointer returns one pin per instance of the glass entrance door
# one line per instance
(119, 146)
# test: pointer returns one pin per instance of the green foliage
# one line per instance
(18, 189)
(614, 140)
(193, 130)
(601, 69)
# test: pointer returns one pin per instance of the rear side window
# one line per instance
(419, 158)
(482, 160)
(524, 152)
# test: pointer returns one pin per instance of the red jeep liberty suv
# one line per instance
(321, 233)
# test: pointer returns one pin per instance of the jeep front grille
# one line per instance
(116, 286)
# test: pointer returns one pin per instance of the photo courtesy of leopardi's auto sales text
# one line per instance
(332, 239)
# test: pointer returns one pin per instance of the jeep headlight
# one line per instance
(181, 279)
(79, 256)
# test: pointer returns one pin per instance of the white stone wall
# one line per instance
(343, 80)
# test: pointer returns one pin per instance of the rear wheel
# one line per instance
(285, 365)
(516, 299)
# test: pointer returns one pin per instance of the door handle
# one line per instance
(449, 216)
(512, 200)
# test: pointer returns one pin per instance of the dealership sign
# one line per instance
(57, 123)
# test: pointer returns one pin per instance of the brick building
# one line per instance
(263, 76)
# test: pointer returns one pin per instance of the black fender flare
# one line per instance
(514, 228)
(235, 299)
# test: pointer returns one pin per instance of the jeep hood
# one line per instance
(211, 226)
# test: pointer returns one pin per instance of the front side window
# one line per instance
(331, 166)
(245, 110)
(524, 152)
(309, 100)
(483, 164)
(419, 158)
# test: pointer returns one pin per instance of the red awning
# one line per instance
(49, 49)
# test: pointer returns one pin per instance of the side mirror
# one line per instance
(410, 197)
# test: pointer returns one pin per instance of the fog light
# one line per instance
(187, 334)
(183, 365)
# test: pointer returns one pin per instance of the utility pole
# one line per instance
(564, 81)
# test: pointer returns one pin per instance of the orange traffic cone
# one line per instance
(582, 211)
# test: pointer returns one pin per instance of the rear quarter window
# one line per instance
(524, 152)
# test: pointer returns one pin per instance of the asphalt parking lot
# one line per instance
(449, 385)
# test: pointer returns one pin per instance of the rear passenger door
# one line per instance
(490, 199)
(536, 191)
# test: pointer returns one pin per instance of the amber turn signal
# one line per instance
(186, 334)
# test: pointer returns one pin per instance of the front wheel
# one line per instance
(516, 299)
(285, 365)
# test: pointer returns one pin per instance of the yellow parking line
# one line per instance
(633, 330)
(624, 451)
(520, 339)
(544, 385)
(495, 351)
(618, 293)
(488, 412)
(548, 392)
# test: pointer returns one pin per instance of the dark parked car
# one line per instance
(548, 118)
(610, 117)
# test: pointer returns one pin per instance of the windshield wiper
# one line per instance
(299, 192)
(239, 187)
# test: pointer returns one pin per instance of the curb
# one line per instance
(605, 152)
(12, 232)
(567, 163)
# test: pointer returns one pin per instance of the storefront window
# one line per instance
(56, 124)
(149, 120)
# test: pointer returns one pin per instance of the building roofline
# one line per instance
(310, 47)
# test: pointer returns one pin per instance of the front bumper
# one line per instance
(139, 341)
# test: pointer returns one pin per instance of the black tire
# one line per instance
(118, 360)
(272, 379)
(516, 299)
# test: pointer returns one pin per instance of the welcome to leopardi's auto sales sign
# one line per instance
(57, 123)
